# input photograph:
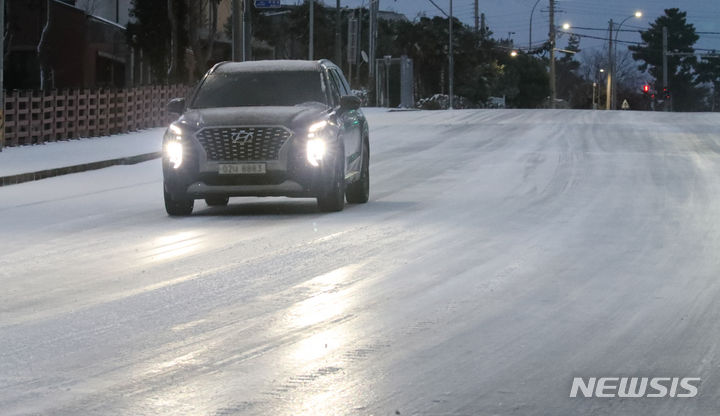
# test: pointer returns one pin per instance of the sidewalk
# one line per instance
(29, 163)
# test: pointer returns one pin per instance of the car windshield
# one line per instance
(249, 89)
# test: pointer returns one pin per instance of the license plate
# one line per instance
(242, 169)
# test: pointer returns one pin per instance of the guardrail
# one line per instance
(34, 117)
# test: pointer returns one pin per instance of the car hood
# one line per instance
(294, 118)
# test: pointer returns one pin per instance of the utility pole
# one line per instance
(311, 48)
(552, 54)
(451, 62)
(665, 64)
(237, 31)
(477, 17)
(2, 83)
(359, 45)
(373, 36)
(247, 31)
(611, 70)
(338, 36)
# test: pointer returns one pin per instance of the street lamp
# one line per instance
(513, 54)
(596, 91)
(531, 16)
(612, 79)
(566, 26)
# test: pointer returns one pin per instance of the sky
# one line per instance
(511, 18)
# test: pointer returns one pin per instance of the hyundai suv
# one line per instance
(267, 128)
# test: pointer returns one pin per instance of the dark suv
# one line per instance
(267, 128)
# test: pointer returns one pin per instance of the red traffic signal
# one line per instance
(646, 88)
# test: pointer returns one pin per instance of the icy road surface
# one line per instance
(502, 254)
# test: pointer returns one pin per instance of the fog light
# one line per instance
(174, 153)
(315, 151)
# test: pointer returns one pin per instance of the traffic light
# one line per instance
(666, 93)
(646, 88)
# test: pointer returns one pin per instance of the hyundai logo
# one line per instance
(242, 136)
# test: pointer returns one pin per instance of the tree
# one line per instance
(682, 76)
(525, 82)
(571, 86)
(160, 30)
(709, 71)
(43, 50)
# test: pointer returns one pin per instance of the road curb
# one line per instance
(83, 167)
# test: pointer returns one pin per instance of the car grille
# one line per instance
(243, 143)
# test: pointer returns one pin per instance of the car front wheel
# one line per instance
(333, 196)
(358, 192)
(178, 207)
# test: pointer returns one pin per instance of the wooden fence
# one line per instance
(33, 117)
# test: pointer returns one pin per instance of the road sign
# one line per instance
(625, 105)
(267, 4)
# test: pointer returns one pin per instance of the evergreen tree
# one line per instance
(682, 76)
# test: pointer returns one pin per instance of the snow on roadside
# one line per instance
(24, 159)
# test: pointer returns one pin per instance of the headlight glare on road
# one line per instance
(315, 151)
(174, 152)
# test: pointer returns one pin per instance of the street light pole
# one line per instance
(451, 63)
(608, 94)
(613, 50)
(552, 54)
(338, 36)
(237, 31)
(665, 66)
(531, 16)
(311, 51)
(2, 83)
(247, 31)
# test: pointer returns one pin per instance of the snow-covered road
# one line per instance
(502, 254)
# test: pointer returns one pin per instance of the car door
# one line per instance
(351, 126)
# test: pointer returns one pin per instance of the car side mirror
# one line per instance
(350, 102)
(176, 105)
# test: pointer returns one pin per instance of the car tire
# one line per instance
(333, 197)
(178, 207)
(358, 192)
(217, 201)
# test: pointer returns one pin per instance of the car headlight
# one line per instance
(315, 129)
(316, 146)
(315, 151)
(174, 146)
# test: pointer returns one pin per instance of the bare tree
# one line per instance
(172, 17)
(200, 14)
(7, 32)
(626, 72)
(43, 51)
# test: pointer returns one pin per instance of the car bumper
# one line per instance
(290, 176)
(288, 188)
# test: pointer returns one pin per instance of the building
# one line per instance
(82, 50)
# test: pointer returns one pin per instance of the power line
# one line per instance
(582, 35)
(604, 29)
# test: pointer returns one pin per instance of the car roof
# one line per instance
(270, 66)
